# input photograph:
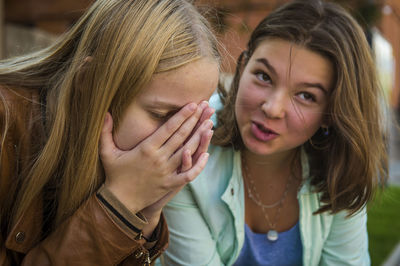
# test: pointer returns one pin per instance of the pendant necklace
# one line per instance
(252, 193)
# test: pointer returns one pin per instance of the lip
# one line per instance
(263, 126)
(262, 133)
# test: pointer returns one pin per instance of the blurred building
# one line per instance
(389, 26)
(234, 21)
(26, 25)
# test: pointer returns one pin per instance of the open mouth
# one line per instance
(264, 129)
(262, 133)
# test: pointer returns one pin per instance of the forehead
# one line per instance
(193, 82)
(287, 57)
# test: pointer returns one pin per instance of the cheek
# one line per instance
(249, 97)
(241, 104)
(133, 131)
(306, 123)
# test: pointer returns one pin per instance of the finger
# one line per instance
(107, 145)
(179, 137)
(190, 175)
(204, 105)
(159, 137)
(195, 141)
(192, 144)
(204, 143)
(207, 113)
(186, 160)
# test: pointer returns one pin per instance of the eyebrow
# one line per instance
(315, 85)
(266, 63)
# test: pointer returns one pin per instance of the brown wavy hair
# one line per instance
(347, 164)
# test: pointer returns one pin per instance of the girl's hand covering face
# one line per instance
(147, 176)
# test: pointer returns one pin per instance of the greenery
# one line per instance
(384, 224)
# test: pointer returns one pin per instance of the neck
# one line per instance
(280, 164)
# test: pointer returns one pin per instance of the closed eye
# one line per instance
(158, 116)
(163, 116)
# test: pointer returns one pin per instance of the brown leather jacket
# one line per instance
(94, 235)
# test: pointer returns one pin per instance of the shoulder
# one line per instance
(15, 94)
(20, 109)
(215, 102)
(16, 123)
(20, 119)
(354, 221)
(18, 102)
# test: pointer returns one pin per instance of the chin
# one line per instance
(256, 147)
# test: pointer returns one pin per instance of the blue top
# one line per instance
(258, 250)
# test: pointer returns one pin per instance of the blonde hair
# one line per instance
(345, 165)
(99, 65)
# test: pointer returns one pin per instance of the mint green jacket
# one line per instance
(206, 220)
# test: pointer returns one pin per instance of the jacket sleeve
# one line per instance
(191, 242)
(98, 233)
(92, 237)
(347, 242)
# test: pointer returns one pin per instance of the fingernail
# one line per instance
(203, 104)
(192, 107)
(209, 123)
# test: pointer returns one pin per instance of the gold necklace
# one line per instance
(272, 234)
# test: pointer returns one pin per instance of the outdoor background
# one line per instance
(28, 25)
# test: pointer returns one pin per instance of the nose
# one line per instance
(274, 105)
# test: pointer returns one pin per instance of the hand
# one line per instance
(142, 176)
(188, 158)
(207, 113)
(153, 211)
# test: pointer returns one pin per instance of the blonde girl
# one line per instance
(100, 130)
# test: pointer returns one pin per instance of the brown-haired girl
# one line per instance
(100, 130)
(298, 149)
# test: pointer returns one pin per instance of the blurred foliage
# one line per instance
(384, 224)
